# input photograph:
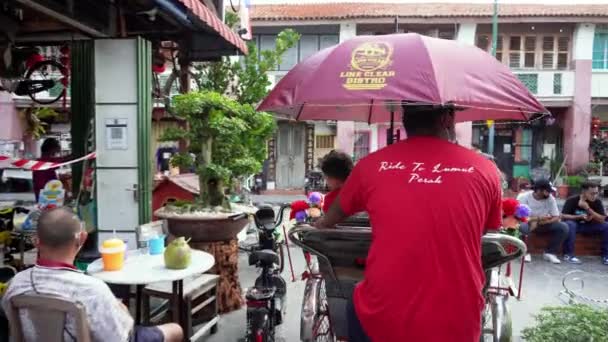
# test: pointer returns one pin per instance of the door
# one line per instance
(291, 144)
(504, 154)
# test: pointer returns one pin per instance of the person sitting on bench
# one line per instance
(544, 218)
(585, 214)
(60, 237)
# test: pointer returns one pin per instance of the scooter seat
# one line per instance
(265, 257)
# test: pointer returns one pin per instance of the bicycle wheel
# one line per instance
(322, 329)
(501, 319)
(48, 70)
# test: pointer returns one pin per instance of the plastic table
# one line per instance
(140, 270)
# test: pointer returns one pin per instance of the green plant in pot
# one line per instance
(227, 138)
(572, 323)
(574, 183)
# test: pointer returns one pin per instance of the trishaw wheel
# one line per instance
(501, 319)
(322, 325)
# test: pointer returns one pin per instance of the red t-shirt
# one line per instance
(329, 199)
(429, 202)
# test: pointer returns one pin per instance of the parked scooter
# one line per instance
(266, 300)
(314, 182)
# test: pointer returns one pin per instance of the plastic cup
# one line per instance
(113, 254)
(157, 245)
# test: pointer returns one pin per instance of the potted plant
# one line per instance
(571, 323)
(226, 136)
(593, 169)
(217, 124)
(574, 184)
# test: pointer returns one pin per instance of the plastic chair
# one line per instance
(48, 317)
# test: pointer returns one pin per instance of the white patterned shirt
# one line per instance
(108, 321)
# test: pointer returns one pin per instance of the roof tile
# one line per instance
(341, 11)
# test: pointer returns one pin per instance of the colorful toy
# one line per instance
(513, 214)
(52, 195)
(315, 199)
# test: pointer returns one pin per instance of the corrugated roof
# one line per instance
(186, 181)
(342, 11)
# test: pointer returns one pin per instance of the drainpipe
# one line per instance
(492, 131)
(176, 12)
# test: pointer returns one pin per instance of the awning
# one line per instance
(204, 14)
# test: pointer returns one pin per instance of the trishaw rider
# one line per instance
(429, 202)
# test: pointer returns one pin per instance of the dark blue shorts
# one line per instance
(146, 334)
(355, 330)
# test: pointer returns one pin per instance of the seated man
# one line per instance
(60, 237)
(544, 218)
(585, 214)
(336, 167)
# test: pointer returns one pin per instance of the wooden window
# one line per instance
(555, 52)
(548, 52)
(484, 42)
(522, 51)
(325, 141)
(515, 51)
(563, 48)
(529, 52)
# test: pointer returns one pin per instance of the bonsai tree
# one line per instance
(227, 137)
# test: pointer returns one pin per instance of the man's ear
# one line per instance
(37, 242)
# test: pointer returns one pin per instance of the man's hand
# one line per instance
(588, 218)
(583, 204)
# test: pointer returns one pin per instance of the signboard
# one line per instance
(116, 134)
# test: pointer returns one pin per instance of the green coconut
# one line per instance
(178, 254)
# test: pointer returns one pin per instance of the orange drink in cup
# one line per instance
(113, 254)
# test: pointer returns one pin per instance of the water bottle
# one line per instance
(143, 243)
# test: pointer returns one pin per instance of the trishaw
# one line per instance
(340, 253)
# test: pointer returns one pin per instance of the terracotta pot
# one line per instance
(202, 229)
(562, 191)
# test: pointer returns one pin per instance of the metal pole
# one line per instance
(492, 131)
(391, 134)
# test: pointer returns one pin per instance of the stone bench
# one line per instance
(585, 244)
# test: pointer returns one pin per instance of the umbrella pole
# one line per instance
(391, 133)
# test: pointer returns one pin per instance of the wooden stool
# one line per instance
(199, 293)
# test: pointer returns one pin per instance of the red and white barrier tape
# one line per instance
(36, 165)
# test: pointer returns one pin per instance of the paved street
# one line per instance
(541, 287)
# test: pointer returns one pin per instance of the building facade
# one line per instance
(560, 52)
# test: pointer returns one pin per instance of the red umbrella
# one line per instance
(367, 78)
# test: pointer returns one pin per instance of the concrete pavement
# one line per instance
(542, 284)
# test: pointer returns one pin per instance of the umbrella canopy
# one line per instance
(368, 77)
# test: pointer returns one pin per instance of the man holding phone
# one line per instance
(544, 218)
(585, 213)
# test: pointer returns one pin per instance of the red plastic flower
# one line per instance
(509, 206)
(296, 207)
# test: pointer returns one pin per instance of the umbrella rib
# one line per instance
(371, 108)
(300, 111)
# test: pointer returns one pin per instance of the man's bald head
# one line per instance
(58, 228)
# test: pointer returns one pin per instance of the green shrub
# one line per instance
(572, 323)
